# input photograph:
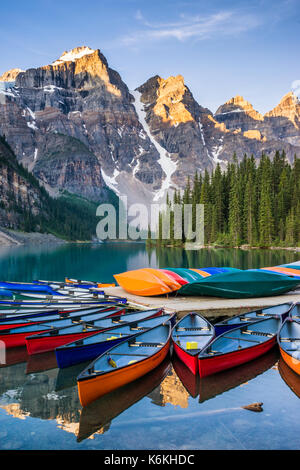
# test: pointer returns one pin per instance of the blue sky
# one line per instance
(222, 48)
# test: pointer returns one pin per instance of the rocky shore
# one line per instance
(17, 238)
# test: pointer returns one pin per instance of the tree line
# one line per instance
(255, 203)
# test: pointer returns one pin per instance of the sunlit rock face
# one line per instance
(277, 129)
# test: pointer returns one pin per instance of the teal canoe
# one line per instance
(241, 284)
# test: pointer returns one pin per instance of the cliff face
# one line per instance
(18, 194)
(72, 123)
(277, 129)
(77, 127)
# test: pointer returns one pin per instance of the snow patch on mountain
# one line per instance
(71, 56)
(166, 163)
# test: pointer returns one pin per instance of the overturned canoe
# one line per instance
(284, 270)
(147, 282)
(289, 343)
(241, 284)
(243, 319)
(59, 335)
(190, 335)
(89, 348)
(239, 346)
(124, 363)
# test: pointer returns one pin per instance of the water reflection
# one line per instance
(211, 386)
(29, 389)
(96, 417)
(288, 375)
(237, 258)
(100, 262)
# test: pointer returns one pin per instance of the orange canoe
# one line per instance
(147, 282)
(124, 363)
(289, 344)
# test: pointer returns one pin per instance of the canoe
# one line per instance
(289, 344)
(253, 316)
(190, 335)
(187, 274)
(124, 363)
(146, 282)
(63, 334)
(23, 320)
(284, 270)
(63, 303)
(6, 293)
(16, 336)
(25, 287)
(295, 311)
(241, 284)
(89, 348)
(238, 346)
(101, 412)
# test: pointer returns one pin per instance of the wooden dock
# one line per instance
(212, 307)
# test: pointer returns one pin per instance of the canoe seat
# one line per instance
(139, 344)
(193, 328)
(289, 340)
(259, 333)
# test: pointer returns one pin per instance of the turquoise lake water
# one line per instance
(169, 408)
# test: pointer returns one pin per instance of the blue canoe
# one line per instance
(93, 346)
(27, 287)
(281, 310)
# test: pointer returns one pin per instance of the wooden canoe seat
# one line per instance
(259, 333)
(289, 340)
(199, 328)
(139, 344)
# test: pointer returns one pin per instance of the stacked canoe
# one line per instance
(223, 282)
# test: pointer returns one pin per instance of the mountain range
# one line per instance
(75, 125)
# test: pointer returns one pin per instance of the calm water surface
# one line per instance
(167, 409)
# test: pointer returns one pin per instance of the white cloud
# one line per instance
(296, 88)
(197, 27)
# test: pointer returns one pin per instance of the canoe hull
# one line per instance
(188, 359)
(92, 388)
(217, 363)
(43, 344)
(292, 362)
(17, 339)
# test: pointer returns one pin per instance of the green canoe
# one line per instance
(241, 284)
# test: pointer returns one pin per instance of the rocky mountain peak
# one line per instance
(238, 104)
(10, 75)
(288, 107)
(169, 102)
(73, 54)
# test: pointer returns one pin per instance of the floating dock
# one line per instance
(212, 307)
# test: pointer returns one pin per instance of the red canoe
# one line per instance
(190, 335)
(238, 346)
